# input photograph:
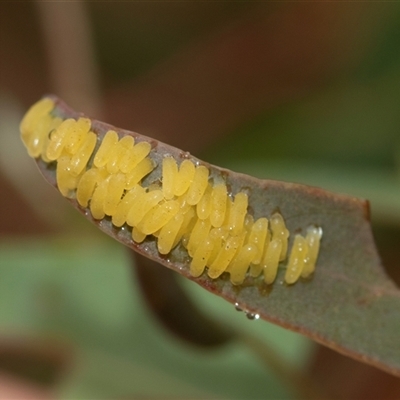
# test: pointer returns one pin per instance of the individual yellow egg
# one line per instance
(270, 261)
(237, 213)
(169, 232)
(313, 238)
(97, 200)
(32, 118)
(139, 172)
(66, 181)
(137, 235)
(103, 153)
(218, 204)
(142, 205)
(184, 178)
(260, 236)
(201, 256)
(198, 186)
(183, 204)
(59, 138)
(126, 204)
(80, 159)
(87, 185)
(247, 226)
(296, 260)
(47, 130)
(218, 237)
(187, 226)
(113, 155)
(225, 256)
(199, 233)
(40, 136)
(127, 142)
(241, 263)
(228, 209)
(279, 231)
(117, 152)
(134, 156)
(77, 133)
(125, 145)
(158, 216)
(203, 207)
(115, 190)
(169, 176)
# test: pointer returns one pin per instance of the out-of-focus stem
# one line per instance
(174, 309)
(72, 65)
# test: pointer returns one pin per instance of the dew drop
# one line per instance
(237, 307)
(252, 316)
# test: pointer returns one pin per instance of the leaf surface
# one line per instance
(349, 304)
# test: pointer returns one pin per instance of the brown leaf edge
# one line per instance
(349, 305)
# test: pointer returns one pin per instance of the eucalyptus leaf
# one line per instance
(349, 304)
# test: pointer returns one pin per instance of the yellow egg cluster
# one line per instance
(187, 207)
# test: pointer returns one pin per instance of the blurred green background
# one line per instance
(304, 92)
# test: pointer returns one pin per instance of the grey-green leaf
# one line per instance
(349, 304)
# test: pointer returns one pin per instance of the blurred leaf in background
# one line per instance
(83, 297)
